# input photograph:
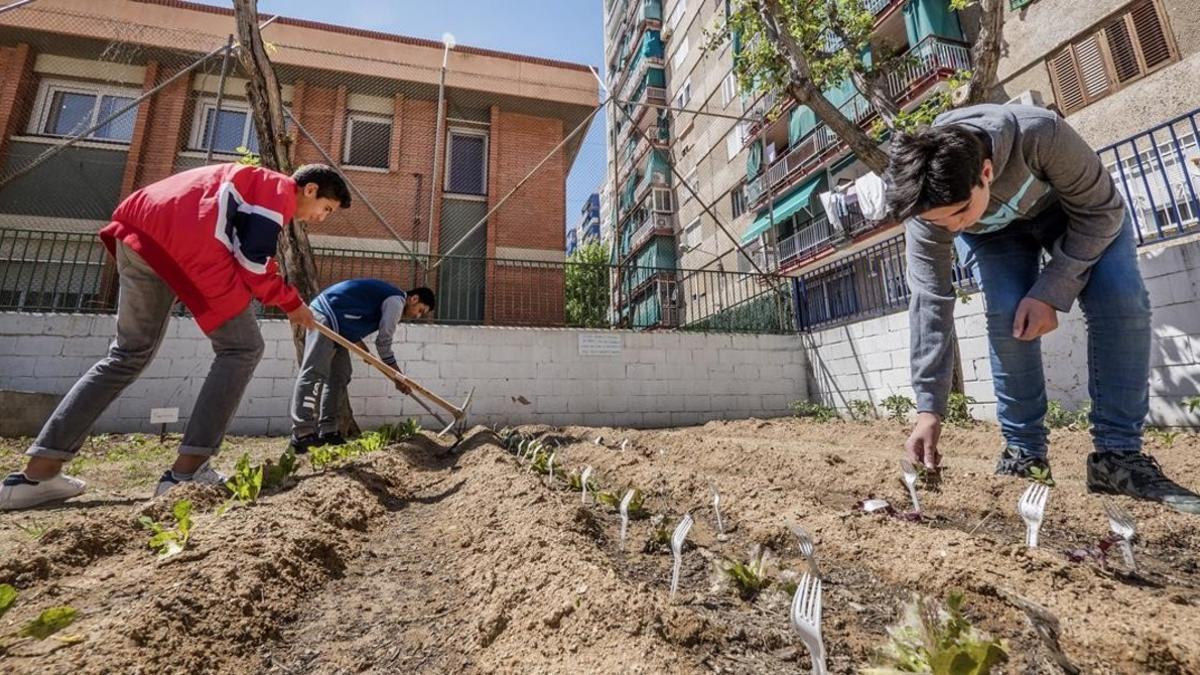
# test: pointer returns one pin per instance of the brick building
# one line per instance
(369, 99)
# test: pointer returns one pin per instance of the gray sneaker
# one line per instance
(1013, 462)
(204, 474)
(1138, 475)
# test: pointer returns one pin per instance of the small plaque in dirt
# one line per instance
(600, 344)
(164, 415)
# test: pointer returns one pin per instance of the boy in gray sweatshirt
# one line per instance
(1005, 185)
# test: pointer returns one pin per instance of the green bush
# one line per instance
(815, 411)
(1059, 417)
(898, 407)
(861, 410)
(958, 410)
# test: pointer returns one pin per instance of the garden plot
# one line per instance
(411, 559)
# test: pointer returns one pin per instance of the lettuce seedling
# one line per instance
(49, 622)
(8, 595)
(938, 641)
(748, 577)
(246, 481)
(612, 500)
(167, 543)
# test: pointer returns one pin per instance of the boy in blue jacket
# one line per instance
(354, 308)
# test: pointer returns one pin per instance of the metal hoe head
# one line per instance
(459, 425)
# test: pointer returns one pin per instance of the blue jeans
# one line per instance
(1117, 310)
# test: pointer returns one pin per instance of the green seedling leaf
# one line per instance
(49, 622)
(938, 641)
(8, 595)
(749, 577)
(246, 481)
(167, 543)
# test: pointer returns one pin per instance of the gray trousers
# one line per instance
(143, 311)
(324, 376)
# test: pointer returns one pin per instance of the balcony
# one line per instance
(633, 14)
(807, 241)
(653, 225)
(930, 61)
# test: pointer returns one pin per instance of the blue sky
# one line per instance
(571, 30)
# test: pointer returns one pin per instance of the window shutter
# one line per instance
(1151, 34)
(1068, 90)
(1120, 48)
(1093, 74)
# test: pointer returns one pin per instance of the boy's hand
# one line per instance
(922, 444)
(402, 387)
(1034, 319)
(302, 316)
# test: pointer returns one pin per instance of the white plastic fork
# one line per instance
(677, 539)
(807, 549)
(806, 619)
(910, 481)
(1123, 525)
(1032, 507)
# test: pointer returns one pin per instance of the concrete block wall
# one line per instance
(657, 379)
(869, 360)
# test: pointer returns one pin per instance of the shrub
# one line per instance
(958, 409)
(816, 411)
(898, 407)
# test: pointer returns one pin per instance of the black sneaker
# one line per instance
(1138, 475)
(333, 438)
(1013, 462)
(301, 445)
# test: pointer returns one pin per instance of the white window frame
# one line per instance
(49, 87)
(684, 95)
(728, 89)
(353, 117)
(679, 57)
(733, 142)
(197, 139)
(464, 131)
(696, 229)
(676, 15)
(690, 179)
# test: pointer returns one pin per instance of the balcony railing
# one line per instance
(809, 239)
(933, 58)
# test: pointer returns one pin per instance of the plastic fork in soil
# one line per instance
(910, 475)
(805, 618)
(625, 514)
(807, 549)
(677, 539)
(1123, 525)
(717, 509)
(583, 482)
(1032, 508)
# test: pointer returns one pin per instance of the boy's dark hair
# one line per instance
(426, 297)
(330, 184)
(933, 167)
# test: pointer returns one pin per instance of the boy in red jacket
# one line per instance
(207, 238)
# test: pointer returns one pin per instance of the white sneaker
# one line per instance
(204, 475)
(19, 492)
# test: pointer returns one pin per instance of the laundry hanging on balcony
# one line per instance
(923, 18)
(754, 160)
(783, 209)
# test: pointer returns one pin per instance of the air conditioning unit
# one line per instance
(662, 223)
(1027, 97)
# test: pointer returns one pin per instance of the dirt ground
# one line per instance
(416, 559)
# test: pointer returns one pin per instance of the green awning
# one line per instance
(783, 209)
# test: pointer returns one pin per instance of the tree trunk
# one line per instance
(985, 53)
(802, 88)
(266, 103)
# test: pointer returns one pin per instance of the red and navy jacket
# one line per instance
(210, 233)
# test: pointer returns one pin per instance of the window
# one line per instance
(676, 16)
(70, 108)
(692, 234)
(737, 199)
(728, 89)
(232, 129)
(1126, 47)
(466, 170)
(689, 180)
(733, 142)
(684, 95)
(661, 199)
(368, 141)
(681, 54)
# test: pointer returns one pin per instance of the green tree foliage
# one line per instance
(587, 287)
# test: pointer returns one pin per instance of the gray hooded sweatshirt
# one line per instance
(1037, 159)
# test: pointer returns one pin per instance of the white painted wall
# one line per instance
(869, 360)
(658, 379)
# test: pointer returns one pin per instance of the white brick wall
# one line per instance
(658, 379)
(870, 360)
